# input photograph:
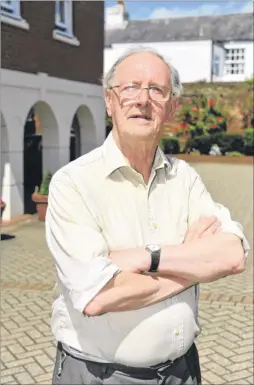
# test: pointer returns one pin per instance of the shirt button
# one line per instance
(155, 226)
(177, 332)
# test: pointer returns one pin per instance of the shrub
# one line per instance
(202, 115)
(44, 187)
(201, 143)
(250, 81)
(249, 141)
(170, 145)
(227, 142)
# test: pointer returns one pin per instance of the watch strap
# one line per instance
(155, 260)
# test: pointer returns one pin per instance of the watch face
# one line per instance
(153, 247)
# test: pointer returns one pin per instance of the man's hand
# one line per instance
(203, 227)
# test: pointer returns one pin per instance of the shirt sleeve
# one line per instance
(76, 242)
(202, 204)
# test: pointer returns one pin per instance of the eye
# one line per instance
(157, 90)
(130, 87)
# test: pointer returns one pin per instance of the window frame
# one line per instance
(235, 61)
(11, 9)
(11, 14)
(65, 28)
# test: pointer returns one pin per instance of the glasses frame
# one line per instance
(140, 90)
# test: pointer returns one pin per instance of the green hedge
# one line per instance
(227, 142)
(170, 145)
(249, 141)
(230, 143)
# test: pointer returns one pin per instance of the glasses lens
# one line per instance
(132, 91)
(158, 93)
(129, 91)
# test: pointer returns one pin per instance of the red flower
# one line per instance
(213, 125)
(219, 119)
(184, 126)
(211, 102)
(195, 109)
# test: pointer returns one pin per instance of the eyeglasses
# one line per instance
(133, 91)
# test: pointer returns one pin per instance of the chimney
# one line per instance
(116, 17)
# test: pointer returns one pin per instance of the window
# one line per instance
(10, 14)
(234, 61)
(63, 17)
(64, 23)
(11, 8)
(216, 65)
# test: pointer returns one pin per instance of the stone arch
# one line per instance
(84, 124)
(41, 148)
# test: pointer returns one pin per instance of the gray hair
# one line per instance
(176, 85)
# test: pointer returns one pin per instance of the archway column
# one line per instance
(64, 141)
(12, 184)
(12, 168)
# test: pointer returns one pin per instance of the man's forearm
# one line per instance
(200, 260)
(130, 291)
(204, 260)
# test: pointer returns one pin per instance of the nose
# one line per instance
(143, 97)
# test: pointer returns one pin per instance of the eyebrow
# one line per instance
(138, 82)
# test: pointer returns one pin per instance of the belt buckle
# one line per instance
(166, 365)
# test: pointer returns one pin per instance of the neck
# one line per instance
(139, 153)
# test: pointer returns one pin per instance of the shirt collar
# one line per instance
(114, 158)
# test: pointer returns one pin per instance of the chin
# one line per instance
(144, 135)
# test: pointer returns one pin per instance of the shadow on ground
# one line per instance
(6, 237)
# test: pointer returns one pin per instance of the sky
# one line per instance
(139, 10)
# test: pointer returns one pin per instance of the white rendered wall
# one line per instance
(56, 101)
(193, 59)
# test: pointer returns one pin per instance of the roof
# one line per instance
(216, 28)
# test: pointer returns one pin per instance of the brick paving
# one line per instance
(28, 347)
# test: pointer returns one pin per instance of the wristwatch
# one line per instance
(155, 252)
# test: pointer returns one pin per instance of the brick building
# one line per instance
(52, 61)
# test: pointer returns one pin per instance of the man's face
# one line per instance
(140, 117)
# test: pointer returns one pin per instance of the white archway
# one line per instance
(75, 139)
(87, 129)
(50, 133)
(41, 149)
(55, 101)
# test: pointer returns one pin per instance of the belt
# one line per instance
(131, 370)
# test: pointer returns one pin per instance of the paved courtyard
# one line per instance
(28, 347)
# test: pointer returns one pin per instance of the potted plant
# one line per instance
(2, 206)
(40, 195)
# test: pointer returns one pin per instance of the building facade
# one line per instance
(50, 90)
(205, 48)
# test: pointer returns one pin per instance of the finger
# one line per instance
(199, 227)
(212, 229)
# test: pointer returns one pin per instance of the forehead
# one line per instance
(143, 67)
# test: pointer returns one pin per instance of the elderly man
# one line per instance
(132, 234)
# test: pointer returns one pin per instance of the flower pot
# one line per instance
(2, 207)
(41, 202)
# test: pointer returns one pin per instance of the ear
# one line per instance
(107, 96)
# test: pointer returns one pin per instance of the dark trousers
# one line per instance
(74, 371)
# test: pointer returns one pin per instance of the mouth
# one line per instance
(142, 117)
